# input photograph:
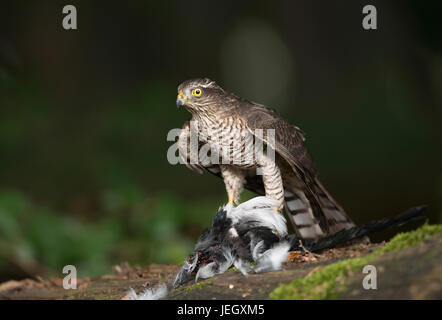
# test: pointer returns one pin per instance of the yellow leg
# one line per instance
(276, 210)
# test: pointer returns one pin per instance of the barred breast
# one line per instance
(230, 139)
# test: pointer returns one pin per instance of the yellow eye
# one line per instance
(197, 92)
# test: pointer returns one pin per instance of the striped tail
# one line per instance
(314, 214)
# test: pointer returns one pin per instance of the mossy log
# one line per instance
(408, 267)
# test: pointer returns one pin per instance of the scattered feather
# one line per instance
(156, 293)
(272, 259)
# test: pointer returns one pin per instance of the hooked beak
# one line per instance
(181, 99)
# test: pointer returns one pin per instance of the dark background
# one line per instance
(84, 115)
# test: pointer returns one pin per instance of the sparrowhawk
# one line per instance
(227, 129)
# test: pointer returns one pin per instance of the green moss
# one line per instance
(326, 283)
(409, 239)
(198, 285)
(330, 281)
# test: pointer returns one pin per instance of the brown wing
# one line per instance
(289, 140)
(289, 144)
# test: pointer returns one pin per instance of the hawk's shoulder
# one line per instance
(289, 139)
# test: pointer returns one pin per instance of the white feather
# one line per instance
(207, 271)
(229, 206)
(211, 269)
(186, 269)
(259, 209)
(273, 258)
(157, 293)
(190, 267)
(243, 266)
(256, 249)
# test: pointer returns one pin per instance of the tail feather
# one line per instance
(313, 213)
(343, 236)
(335, 216)
(301, 215)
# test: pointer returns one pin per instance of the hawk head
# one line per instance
(199, 94)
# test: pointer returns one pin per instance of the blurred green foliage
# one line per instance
(134, 228)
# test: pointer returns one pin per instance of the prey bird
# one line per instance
(243, 235)
(220, 120)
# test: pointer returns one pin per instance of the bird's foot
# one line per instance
(234, 200)
(311, 255)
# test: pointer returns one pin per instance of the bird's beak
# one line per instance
(180, 100)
